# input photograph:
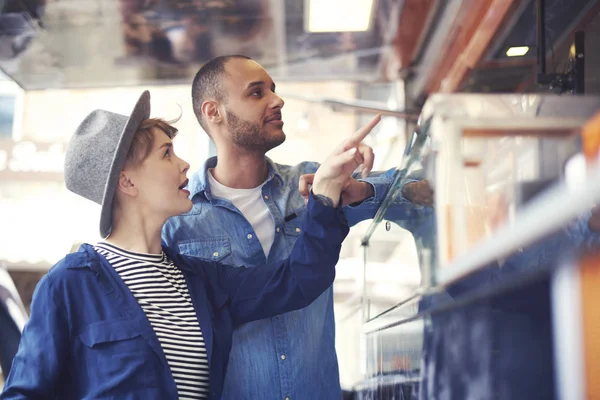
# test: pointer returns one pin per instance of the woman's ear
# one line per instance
(125, 185)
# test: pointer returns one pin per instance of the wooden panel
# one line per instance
(590, 296)
(536, 132)
(590, 136)
(479, 41)
(469, 16)
(411, 27)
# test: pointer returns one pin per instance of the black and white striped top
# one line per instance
(161, 290)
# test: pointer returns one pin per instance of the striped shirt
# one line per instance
(160, 289)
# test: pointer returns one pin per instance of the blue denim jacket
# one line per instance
(88, 338)
(291, 355)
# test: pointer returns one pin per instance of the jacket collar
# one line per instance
(199, 181)
(87, 257)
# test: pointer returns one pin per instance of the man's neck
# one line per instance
(240, 171)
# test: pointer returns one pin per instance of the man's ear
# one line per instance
(125, 185)
(211, 112)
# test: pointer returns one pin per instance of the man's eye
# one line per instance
(168, 153)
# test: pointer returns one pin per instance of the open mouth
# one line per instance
(184, 184)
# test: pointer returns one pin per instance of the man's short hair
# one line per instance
(208, 83)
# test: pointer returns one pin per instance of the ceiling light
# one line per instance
(517, 51)
(338, 15)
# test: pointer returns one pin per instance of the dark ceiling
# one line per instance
(498, 72)
(520, 28)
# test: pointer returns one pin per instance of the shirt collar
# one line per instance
(199, 181)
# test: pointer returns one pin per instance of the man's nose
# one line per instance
(277, 101)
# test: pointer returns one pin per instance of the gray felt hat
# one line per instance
(96, 154)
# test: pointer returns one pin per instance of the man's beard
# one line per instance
(249, 136)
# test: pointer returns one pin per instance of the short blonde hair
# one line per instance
(143, 140)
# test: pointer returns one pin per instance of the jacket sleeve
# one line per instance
(266, 291)
(42, 350)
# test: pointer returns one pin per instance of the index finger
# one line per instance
(362, 133)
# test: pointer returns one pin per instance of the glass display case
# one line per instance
(492, 156)
(476, 314)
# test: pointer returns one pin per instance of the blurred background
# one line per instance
(335, 62)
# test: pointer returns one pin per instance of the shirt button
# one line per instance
(297, 229)
(249, 236)
(216, 254)
(283, 356)
(277, 229)
(287, 398)
(266, 197)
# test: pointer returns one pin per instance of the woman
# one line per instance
(129, 318)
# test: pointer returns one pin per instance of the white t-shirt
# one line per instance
(252, 206)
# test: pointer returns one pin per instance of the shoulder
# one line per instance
(64, 275)
(179, 226)
(293, 172)
(86, 259)
(68, 263)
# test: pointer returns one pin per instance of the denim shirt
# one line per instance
(291, 355)
(88, 338)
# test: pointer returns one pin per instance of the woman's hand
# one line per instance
(334, 174)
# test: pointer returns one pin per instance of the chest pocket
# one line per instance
(117, 356)
(293, 227)
(113, 334)
(213, 249)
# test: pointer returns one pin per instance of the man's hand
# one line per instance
(354, 191)
(419, 193)
(594, 221)
(333, 174)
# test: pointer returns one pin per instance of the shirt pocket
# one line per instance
(105, 333)
(117, 357)
(293, 227)
(215, 249)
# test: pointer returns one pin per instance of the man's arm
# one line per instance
(363, 197)
(584, 233)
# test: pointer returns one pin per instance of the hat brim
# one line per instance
(141, 112)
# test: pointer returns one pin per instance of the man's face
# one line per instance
(252, 109)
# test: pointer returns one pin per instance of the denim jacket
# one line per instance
(88, 338)
(291, 355)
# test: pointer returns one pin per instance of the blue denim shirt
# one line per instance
(291, 355)
(88, 338)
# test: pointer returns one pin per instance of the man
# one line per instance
(247, 210)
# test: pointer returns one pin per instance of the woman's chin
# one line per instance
(188, 207)
(182, 207)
